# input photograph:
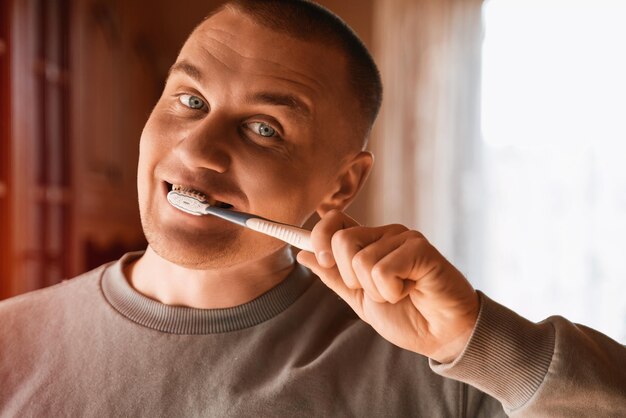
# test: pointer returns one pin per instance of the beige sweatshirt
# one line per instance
(94, 347)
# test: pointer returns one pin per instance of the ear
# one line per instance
(348, 183)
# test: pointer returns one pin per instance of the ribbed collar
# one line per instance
(184, 320)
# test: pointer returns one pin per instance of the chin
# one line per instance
(195, 249)
(209, 248)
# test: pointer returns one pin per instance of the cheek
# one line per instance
(151, 146)
(159, 134)
(283, 193)
(143, 173)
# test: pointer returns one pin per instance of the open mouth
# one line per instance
(198, 196)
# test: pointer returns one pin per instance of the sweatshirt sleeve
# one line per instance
(549, 369)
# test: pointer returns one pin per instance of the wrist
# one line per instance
(453, 347)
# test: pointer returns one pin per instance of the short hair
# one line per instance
(309, 21)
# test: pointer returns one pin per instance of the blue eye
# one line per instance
(262, 129)
(192, 102)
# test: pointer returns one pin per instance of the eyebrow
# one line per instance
(186, 68)
(289, 101)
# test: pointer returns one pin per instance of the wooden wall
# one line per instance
(5, 152)
(39, 187)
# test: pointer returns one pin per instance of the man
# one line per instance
(267, 110)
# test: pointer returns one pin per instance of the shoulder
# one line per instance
(30, 303)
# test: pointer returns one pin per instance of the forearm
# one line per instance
(553, 368)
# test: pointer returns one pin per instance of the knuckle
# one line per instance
(398, 228)
(333, 213)
(328, 221)
(393, 229)
(360, 261)
(415, 238)
(319, 235)
(340, 238)
(324, 228)
(380, 271)
(415, 234)
(393, 299)
(353, 285)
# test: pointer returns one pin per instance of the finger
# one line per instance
(390, 288)
(322, 234)
(332, 278)
(398, 271)
(347, 244)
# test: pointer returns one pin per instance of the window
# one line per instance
(554, 159)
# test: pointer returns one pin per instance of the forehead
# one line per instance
(233, 45)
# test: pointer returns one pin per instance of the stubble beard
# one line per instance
(192, 249)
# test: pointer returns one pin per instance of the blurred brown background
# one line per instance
(79, 78)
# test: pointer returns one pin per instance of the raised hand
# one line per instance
(397, 282)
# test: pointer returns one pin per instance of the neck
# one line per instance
(171, 284)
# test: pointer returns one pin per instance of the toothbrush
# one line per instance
(193, 204)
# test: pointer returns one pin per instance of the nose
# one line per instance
(207, 145)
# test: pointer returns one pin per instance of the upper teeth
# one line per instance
(195, 194)
(190, 192)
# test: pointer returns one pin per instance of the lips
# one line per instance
(200, 195)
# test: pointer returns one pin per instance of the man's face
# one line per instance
(252, 118)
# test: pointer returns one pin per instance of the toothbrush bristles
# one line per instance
(190, 192)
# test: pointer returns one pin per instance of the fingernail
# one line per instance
(325, 259)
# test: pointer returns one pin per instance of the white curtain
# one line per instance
(426, 174)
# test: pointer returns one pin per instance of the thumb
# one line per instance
(331, 278)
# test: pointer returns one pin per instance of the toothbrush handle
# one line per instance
(298, 237)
